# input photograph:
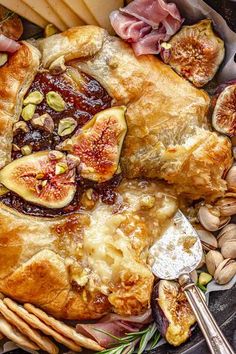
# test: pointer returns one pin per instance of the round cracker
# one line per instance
(43, 342)
(35, 322)
(63, 328)
(13, 334)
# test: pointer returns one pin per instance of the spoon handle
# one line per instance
(215, 339)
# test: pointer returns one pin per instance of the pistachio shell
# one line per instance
(208, 219)
(28, 111)
(231, 179)
(204, 278)
(34, 97)
(55, 101)
(213, 259)
(202, 261)
(227, 233)
(227, 206)
(66, 126)
(3, 58)
(225, 271)
(234, 152)
(228, 249)
(208, 240)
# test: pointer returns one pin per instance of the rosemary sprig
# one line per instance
(137, 342)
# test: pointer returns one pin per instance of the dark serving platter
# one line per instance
(222, 303)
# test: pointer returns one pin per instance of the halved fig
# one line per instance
(197, 52)
(172, 312)
(224, 114)
(98, 144)
(43, 178)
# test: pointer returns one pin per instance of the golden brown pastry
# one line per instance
(168, 134)
(87, 264)
(85, 257)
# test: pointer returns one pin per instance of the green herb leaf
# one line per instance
(138, 342)
(203, 288)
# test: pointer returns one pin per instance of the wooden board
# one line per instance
(69, 17)
(25, 11)
(45, 11)
(79, 7)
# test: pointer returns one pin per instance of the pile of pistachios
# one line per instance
(42, 122)
(218, 235)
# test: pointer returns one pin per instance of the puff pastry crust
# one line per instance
(168, 132)
(84, 265)
(69, 266)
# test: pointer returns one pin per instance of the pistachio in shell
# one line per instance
(209, 218)
(226, 234)
(172, 312)
(34, 179)
(197, 52)
(225, 271)
(224, 114)
(228, 249)
(231, 176)
(99, 143)
(208, 240)
(55, 101)
(227, 206)
(213, 259)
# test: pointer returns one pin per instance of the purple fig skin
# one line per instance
(157, 312)
(177, 329)
(221, 87)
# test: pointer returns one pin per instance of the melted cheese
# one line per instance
(117, 243)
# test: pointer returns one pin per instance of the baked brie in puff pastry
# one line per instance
(79, 113)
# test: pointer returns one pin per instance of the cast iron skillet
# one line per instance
(223, 303)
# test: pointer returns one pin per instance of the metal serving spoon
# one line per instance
(177, 253)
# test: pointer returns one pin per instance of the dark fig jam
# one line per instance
(83, 100)
(82, 103)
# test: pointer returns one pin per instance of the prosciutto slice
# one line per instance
(115, 325)
(146, 23)
(8, 45)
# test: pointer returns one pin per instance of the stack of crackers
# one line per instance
(28, 327)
